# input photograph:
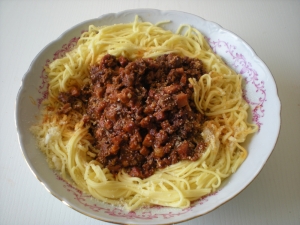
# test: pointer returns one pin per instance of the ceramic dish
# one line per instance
(260, 92)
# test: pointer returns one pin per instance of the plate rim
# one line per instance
(142, 10)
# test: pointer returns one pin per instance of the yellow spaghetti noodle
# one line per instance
(218, 94)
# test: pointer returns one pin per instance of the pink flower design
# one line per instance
(243, 67)
(66, 48)
(146, 214)
(43, 87)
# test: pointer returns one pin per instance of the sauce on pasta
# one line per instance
(141, 114)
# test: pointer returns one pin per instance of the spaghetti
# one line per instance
(67, 142)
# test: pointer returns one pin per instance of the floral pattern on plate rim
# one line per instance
(145, 214)
(240, 64)
(243, 67)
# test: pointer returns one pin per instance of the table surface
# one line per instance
(271, 28)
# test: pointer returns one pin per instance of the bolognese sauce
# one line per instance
(141, 113)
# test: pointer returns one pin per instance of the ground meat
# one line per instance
(76, 99)
(141, 113)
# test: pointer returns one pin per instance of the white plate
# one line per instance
(260, 91)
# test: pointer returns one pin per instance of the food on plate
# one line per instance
(137, 116)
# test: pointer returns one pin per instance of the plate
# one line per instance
(259, 91)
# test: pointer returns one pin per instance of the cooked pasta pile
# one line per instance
(66, 141)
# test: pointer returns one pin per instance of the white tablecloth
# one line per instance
(272, 28)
